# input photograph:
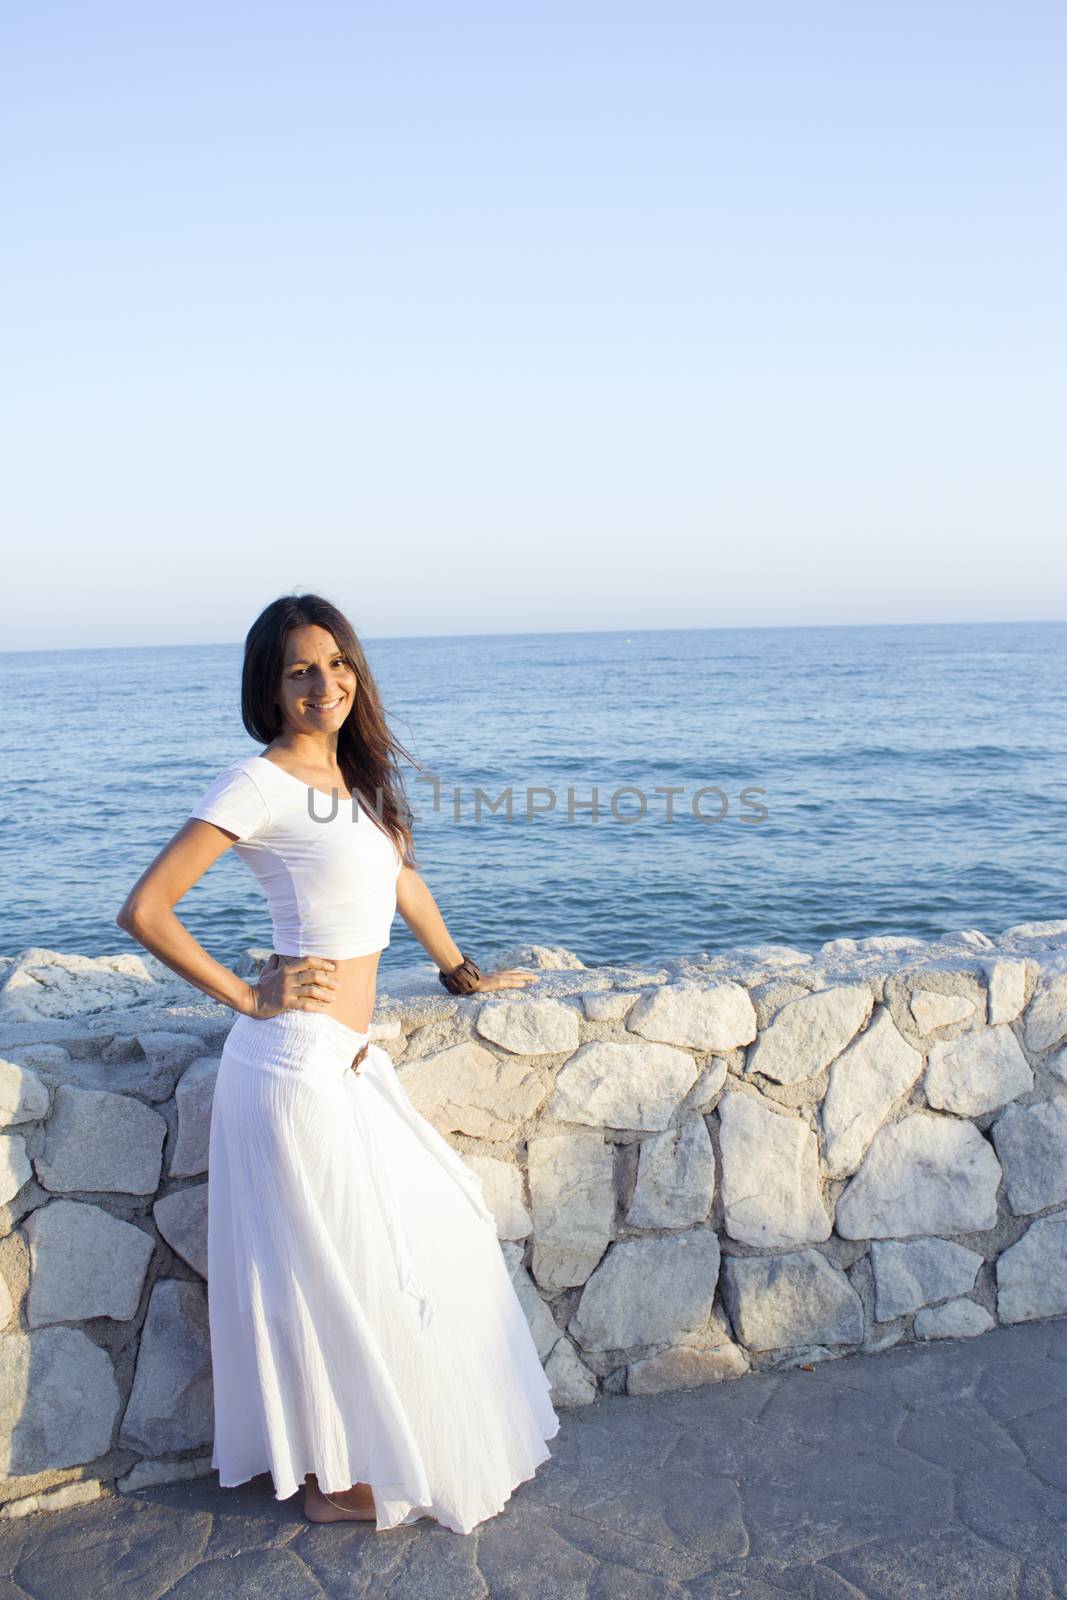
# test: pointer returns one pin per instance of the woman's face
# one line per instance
(318, 687)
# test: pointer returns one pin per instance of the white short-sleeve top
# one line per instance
(328, 868)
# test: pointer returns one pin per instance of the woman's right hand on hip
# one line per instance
(292, 983)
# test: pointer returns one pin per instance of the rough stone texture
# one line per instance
(40, 1374)
(629, 1174)
(61, 1499)
(648, 1291)
(572, 1382)
(685, 1367)
(925, 1174)
(718, 1016)
(769, 998)
(170, 1407)
(1046, 1016)
(607, 1006)
(977, 1072)
(572, 1195)
(910, 1273)
(1032, 1273)
(866, 1080)
(529, 1027)
(181, 1218)
(932, 1010)
(502, 1188)
(546, 1331)
(1007, 989)
(538, 957)
(675, 1178)
(809, 1032)
(46, 983)
(1031, 1144)
(194, 1094)
(770, 1175)
(777, 1302)
(23, 1097)
(15, 1169)
(95, 1140)
(467, 1089)
(146, 1474)
(84, 1263)
(616, 1084)
(959, 1319)
(167, 1055)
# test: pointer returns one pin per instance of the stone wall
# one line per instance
(720, 1164)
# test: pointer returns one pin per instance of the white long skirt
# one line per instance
(364, 1326)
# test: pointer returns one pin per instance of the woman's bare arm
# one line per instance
(422, 914)
(148, 917)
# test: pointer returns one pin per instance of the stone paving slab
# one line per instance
(930, 1471)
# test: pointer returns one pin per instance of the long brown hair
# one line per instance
(367, 753)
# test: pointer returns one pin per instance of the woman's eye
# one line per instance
(338, 661)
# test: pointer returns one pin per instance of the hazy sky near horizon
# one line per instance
(507, 317)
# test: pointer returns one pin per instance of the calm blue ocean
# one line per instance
(914, 780)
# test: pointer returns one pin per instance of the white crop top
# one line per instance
(330, 884)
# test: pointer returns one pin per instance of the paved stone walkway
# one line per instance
(933, 1471)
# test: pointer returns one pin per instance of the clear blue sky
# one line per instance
(505, 317)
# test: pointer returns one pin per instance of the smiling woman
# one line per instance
(360, 1307)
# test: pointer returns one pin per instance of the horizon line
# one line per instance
(542, 633)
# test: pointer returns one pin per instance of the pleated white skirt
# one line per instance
(363, 1323)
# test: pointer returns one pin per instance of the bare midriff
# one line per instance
(353, 999)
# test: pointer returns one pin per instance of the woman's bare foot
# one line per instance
(346, 1505)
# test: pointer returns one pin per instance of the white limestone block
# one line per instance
(84, 1263)
(958, 1319)
(910, 1273)
(15, 1169)
(807, 1033)
(1032, 1273)
(866, 1081)
(1045, 1024)
(1031, 1145)
(1007, 989)
(529, 1027)
(572, 1192)
(58, 1400)
(675, 1178)
(23, 1097)
(502, 1188)
(932, 1010)
(648, 1291)
(618, 1084)
(181, 1218)
(977, 1072)
(778, 1302)
(609, 1005)
(925, 1174)
(572, 1382)
(101, 1141)
(467, 1089)
(770, 1175)
(716, 1016)
(193, 1097)
(170, 1406)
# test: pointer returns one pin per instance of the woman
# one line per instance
(366, 1338)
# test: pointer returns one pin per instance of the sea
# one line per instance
(751, 786)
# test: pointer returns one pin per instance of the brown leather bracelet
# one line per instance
(462, 979)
